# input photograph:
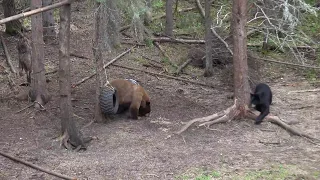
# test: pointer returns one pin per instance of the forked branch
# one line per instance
(220, 117)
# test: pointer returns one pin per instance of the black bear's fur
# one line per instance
(262, 99)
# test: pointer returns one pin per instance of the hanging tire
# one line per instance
(109, 102)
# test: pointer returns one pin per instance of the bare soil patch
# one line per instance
(141, 149)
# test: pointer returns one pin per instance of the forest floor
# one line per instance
(144, 148)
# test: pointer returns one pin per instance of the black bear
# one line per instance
(262, 99)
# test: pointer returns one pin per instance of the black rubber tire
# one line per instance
(109, 102)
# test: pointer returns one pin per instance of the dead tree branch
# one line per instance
(286, 63)
(79, 56)
(188, 41)
(212, 28)
(35, 11)
(220, 117)
(183, 66)
(166, 76)
(51, 72)
(25, 108)
(105, 66)
(200, 8)
(275, 120)
(165, 54)
(13, 70)
(223, 41)
(36, 167)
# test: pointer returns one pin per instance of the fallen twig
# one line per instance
(106, 65)
(125, 28)
(183, 66)
(265, 143)
(166, 76)
(303, 91)
(79, 56)
(36, 167)
(24, 108)
(51, 72)
(133, 43)
(165, 54)
(7, 55)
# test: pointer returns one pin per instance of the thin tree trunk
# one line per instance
(48, 21)
(208, 37)
(38, 80)
(97, 52)
(9, 10)
(169, 18)
(240, 64)
(148, 13)
(67, 122)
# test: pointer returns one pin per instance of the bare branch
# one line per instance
(166, 76)
(106, 65)
(7, 56)
(277, 121)
(36, 167)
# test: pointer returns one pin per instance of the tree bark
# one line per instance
(67, 122)
(208, 37)
(240, 64)
(169, 18)
(38, 91)
(48, 21)
(9, 10)
(97, 52)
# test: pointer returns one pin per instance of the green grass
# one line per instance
(275, 172)
(158, 5)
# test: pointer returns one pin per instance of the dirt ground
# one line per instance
(142, 149)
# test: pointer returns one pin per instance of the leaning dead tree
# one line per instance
(241, 85)
(38, 93)
(69, 130)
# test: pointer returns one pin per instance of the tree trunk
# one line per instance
(48, 22)
(9, 10)
(68, 126)
(208, 37)
(97, 52)
(39, 91)
(148, 14)
(240, 64)
(169, 18)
